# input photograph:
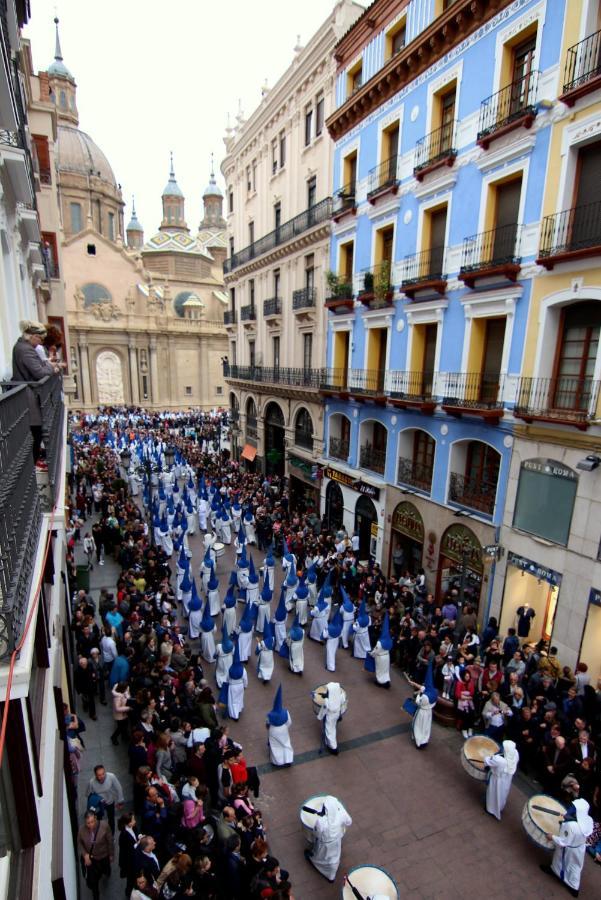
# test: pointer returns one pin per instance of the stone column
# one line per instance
(154, 371)
(85, 383)
(133, 374)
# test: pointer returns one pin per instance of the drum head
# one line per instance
(318, 694)
(545, 812)
(477, 748)
(316, 803)
(370, 881)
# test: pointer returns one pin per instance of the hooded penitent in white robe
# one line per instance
(226, 530)
(302, 609)
(194, 623)
(207, 645)
(280, 746)
(501, 772)
(330, 712)
(279, 632)
(348, 617)
(224, 661)
(252, 592)
(203, 507)
(215, 604)
(312, 585)
(320, 621)
(269, 573)
(263, 615)
(570, 845)
(191, 520)
(361, 645)
(382, 661)
(242, 576)
(422, 720)
(296, 658)
(249, 530)
(205, 574)
(229, 618)
(236, 519)
(329, 831)
(331, 648)
(245, 639)
(235, 695)
(265, 662)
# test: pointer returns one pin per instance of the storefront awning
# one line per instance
(249, 452)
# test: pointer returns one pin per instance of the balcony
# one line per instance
(248, 313)
(414, 474)
(472, 493)
(344, 201)
(303, 300)
(376, 291)
(275, 375)
(339, 448)
(367, 384)
(229, 317)
(272, 308)
(411, 390)
(435, 150)
(19, 166)
(473, 394)
(570, 235)
(512, 107)
(340, 292)
(424, 272)
(582, 72)
(561, 400)
(383, 179)
(491, 254)
(315, 215)
(335, 383)
(372, 458)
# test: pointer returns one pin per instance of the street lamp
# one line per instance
(149, 468)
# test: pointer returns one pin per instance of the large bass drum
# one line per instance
(370, 882)
(318, 695)
(542, 815)
(474, 752)
(308, 818)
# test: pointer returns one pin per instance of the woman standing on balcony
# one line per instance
(27, 366)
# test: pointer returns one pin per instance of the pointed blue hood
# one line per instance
(363, 618)
(385, 639)
(253, 578)
(281, 613)
(227, 645)
(431, 692)
(302, 591)
(213, 580)
(296, 632)
(243, 561)
(269, 560)
(230, 598)
(182, 558)
(208, 559)
(321, 603)
(266, 593)
(312, 575)
(206, 623)
(186, 584)
(247, 620)
(268, 639)
(278, 715)
(335, 626)
(195, 601)
(241, 536)
(236, 669)
(233, 578)
(248, 515)
(292, 579)
(190, 484)
(347, 603)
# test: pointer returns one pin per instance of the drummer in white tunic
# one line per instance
(249, 527)
(278, 723)
(329, 713)
(296, 652)
(570, 846)
(501, 772)
(203, 508)
(330, 825)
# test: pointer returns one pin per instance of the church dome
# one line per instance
(212, 189)
(78, 153)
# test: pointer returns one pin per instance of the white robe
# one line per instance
(245, 639)
(191, 520)
(265, 662)
(422, 720)
(331, 648)
(570, 850)
(312, 586)
(347, 620)
(320, 621)
(330, 713)
(205, 575)
(202, 514)
(185, 597)
(214, 602)
(296, 659)
(242, 576)
(269, 573)
(279, 633)
(280, 747)
(252, 593)
(361, 644)
(236, 517)
(249, 531)
(499, 785)
(229, 618)
(302, 611)
(207, 645)
(289, 598)
(382, 660)
(263, 615)
(226, 531)
(224, 661)
(329, 831)
(194, 623)
(235, 696)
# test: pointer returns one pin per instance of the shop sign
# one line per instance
(493, 550)
(407, 520)
(549, 467)
(362, 487)
(595, 597)
(459, 542)
(374, 529)
(532, 568)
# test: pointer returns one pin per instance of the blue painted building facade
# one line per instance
(438, 190)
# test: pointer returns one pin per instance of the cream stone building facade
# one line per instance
(145, 319)
(278, 174)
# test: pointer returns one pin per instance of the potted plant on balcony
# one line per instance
(382, 287)
(368, 284)
(332, 282)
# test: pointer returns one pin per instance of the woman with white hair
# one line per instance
(501, 772)
(28, 366)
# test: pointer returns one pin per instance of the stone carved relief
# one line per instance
(106, 312)
(109, 378)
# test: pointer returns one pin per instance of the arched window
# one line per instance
(303, 430)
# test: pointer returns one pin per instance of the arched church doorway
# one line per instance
(109, 379)
(334, 506)
(274, 440)
(366, 516)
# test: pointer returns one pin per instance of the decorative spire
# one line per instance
(58, 54)
(58, 68)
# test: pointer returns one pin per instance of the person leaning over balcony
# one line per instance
(27, 366)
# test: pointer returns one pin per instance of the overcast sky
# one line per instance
(158, 76)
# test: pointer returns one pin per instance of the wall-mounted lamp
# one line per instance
(589, 463)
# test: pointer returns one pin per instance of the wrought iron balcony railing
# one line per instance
(436, 147)
(383, 177)
(375, 284)
(565, 399)
(334, 380)
(20, 515)
(229, 317)
(575, 231)
(367, 381)
(372, 458)
(415, 387)
(304, 298)
(415, 474)
(515, 102)
(472, 390)
(303, 378)
(344, 199)
(272, 307)
(339, 448)
(303, 438)
(583, 63)
(339, 288)
(248, 313)
(493, 249)
(421, 267)
(473, 493)
(314, 215)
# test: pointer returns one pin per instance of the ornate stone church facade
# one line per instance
(145, 318)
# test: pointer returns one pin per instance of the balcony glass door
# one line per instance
(494, 340)
(447, 117)
(577, 357)
(430, 338)
(586, 217)
(438, 228)
(523, 66)
(506, 224)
